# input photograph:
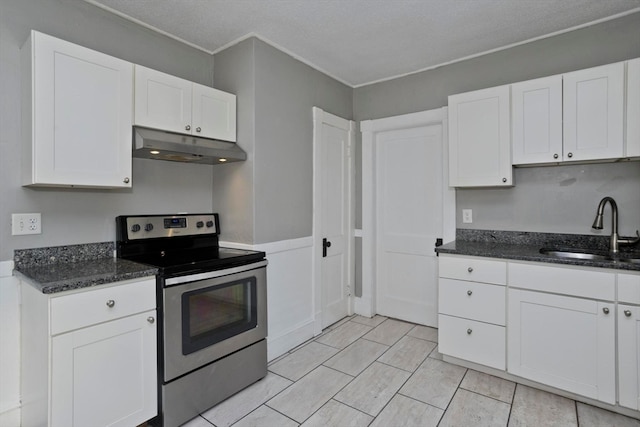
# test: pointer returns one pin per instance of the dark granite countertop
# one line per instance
(64, 268)
(525, 246)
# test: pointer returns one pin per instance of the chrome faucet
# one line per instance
(615, 239)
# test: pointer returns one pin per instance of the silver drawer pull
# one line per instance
(187, 127)
(469, 292)
(469, 331)
(151, 319)
(605, 310)
(470, 269)
(111, 303)
(627, 313)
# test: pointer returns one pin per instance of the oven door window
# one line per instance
(213, 314)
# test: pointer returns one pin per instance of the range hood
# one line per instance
(174, 147)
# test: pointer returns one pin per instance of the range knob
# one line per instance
(209, 223)
(148, 227)
(135, 228)
(199, 224)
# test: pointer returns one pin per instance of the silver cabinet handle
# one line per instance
(555, 156)
(627, 313)
(570, 155)
(111, 303)
(605, 310)
(151, 319)
(469, 331)
(504, 179)
(469, 292)
(126, 180)
(187, 127)
(470, 269)
(198, 129)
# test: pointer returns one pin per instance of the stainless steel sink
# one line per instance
(586, 255)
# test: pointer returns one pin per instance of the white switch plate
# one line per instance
(467, 216)
(29, 223)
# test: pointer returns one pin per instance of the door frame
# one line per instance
(321, 117)
(365, 305)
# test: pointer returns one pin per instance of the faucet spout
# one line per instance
(615, 238)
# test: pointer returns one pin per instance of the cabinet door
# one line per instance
(162, 101)
(480, 138)
(81, 115)
(633, 108)
(593, 102)
(214, 113)
(536, 107)
(565, 342)
(629, 356)
(105, 374)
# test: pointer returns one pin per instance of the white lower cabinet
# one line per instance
(564, 342)
(629, 340)
(100, 367)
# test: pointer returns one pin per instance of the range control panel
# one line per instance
(155, 226)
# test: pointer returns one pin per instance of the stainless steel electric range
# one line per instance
(212, 307)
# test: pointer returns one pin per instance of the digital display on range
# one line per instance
(175, 222)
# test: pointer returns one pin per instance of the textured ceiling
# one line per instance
(363, 41)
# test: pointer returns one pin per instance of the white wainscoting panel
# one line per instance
(289, 292)
(9, 346)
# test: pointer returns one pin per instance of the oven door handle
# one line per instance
(212, 274)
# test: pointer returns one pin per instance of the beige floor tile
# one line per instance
(533, 407)
(389, 331)
(489, 386)
(424, 333)
(334, 413)
(309, 394)
(373, 388)
(373, 321)
(471, 409)
(355, 358)
(197, 422)
(341, 322)
(434, 382)
(435, 354)
(590, 416)
(344, 335)
(240, 404)
(408, 353)
(407, 412)
(265, 417)
(302, 361)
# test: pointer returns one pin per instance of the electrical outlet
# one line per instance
(30, 223)
(467, 216)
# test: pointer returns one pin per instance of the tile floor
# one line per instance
(382, 372)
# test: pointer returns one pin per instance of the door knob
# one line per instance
(325, 244)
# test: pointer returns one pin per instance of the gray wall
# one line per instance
(544, 198)
(280, 137)
(72, 216)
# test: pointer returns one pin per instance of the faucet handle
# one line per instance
(630, 241)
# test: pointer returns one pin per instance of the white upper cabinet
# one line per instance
(480, 138)
(633, 108)
(593, 101)
(77, 115)
(170, 103)
(537, 121)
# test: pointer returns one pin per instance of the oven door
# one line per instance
(210, 315)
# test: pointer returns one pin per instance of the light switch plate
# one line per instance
(26, 223)
(467, 216)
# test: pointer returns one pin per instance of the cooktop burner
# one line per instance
(178, 244)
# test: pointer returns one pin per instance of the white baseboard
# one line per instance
(10, 418)
(362, 306)
(278, 346)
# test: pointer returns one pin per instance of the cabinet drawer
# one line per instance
(474, 269)
(92, 306)
(629, 288)
(473, 341)
(573, 281)
(471, 300)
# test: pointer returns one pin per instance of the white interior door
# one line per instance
(333, 229)
(409, 220)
